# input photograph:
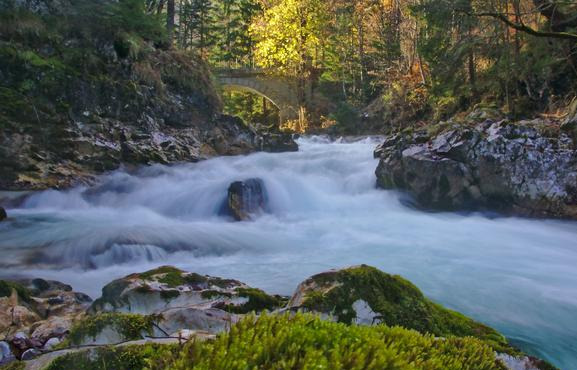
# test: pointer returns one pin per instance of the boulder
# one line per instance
(165, 301)
(155, 291)
(3, 214)
(210, 320)
(32, 311)
(278, 143)
(6, 354)
(246, 199)
(511, 168)
(364, 295)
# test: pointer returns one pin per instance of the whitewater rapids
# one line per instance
(517, 275)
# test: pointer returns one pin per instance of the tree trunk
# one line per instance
(170, 14)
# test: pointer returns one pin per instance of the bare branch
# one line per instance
(527, 29)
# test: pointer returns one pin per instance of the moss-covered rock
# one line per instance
(7, 288)
(167, 287)
(110, 328)
(364, 294)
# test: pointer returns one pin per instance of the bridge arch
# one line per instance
(280, 92)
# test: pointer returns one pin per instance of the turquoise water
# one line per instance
(517, 275)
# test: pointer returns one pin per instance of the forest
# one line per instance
(288, 184)
(403, 61)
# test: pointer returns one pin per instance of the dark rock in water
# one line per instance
(3, 214)
(508, 167)
(42, 288)
(278, 143)
(246, 198)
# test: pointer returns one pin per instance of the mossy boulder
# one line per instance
(167, 287)
(111, 328)
(367, 296)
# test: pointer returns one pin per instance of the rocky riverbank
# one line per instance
(78, 100)
(517, 168)
(40, 317)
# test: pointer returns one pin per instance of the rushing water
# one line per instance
(517, 275)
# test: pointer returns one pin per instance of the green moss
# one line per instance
(169, 295)
(210, 294)
(195, 279)
(110, 295)
(160, 270)
(6, 288)
(257, 301)
(117, 358)
(306, 342)
(129, 326)
(397, 301)
(15, 365)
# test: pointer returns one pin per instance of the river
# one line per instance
(517, 275)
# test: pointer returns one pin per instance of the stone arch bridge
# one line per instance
(281, 92)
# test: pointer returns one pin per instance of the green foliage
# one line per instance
(290, 36)
(306, 342)
(130, 16)
(346, 117)
(117, 358)
(129, 326)
(7, 287)
(397, 301)
(15, 365)
(250, 107)
(257, 301)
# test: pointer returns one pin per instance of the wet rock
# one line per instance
(29, 354)
(246, 199)
(51, 344)
(41, 287)
(511, 168)
(155, 291)
(6, 354)
(522, 362)
(54, 327)
(278, 143)
(211, 320)
(3, 214)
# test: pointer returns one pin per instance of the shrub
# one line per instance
(302, 341)
(305, 341)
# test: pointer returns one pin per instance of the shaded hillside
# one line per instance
(86, 86)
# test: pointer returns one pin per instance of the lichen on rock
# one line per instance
(516, 168)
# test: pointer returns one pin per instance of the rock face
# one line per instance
(92, 101)
(181, 300)
(246, 199)
(512, 168)
(35, 314)
(278, 143)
